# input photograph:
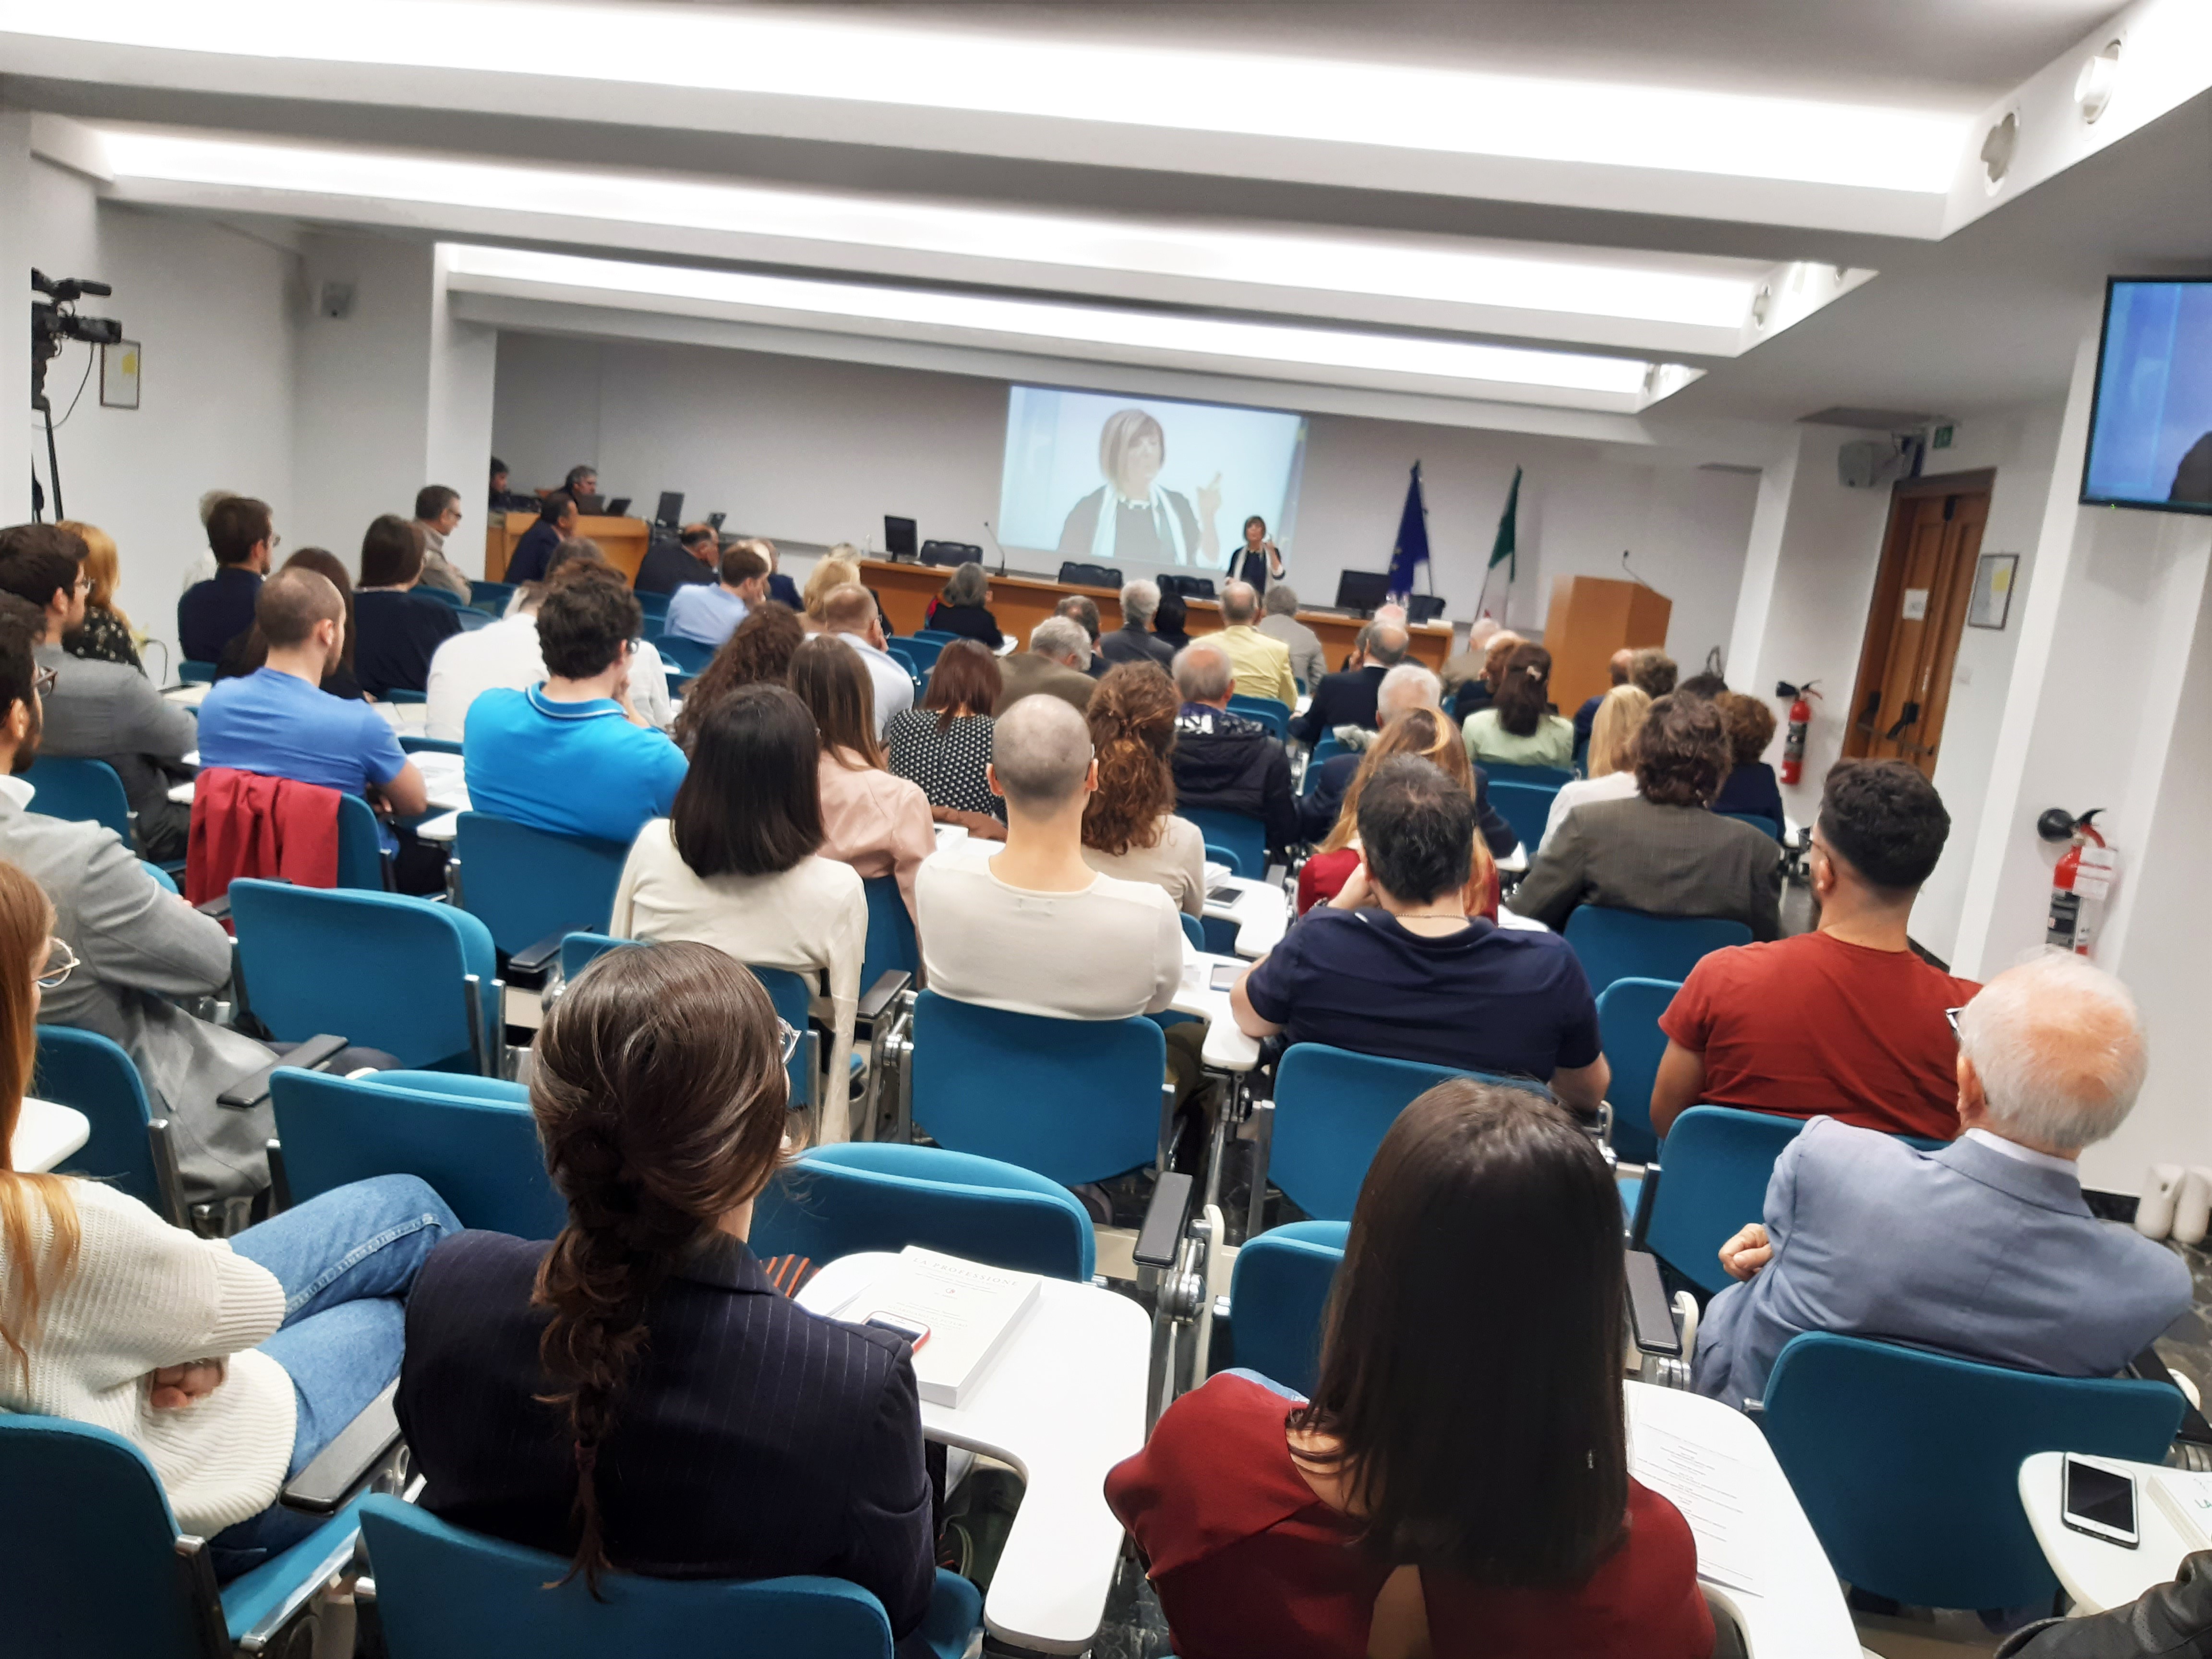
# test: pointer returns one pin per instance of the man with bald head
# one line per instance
(1983, 1250)
(1348, 698)
(1030, 927)
(1261, 664)
(849, 612)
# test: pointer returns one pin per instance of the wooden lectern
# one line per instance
(1592, 617)
(623, 540)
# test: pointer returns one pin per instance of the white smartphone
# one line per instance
(2100, 1502)
(1225, 974)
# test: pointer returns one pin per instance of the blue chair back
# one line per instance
(1526, 806)
(871, 1196)
(443, 595)
(1323, 752)
(890, 947)
(443, 1593)
(1268, 711)
(1278, 1297)
(921, 651)
(580, 951)
(1714, 1167)
(1073, 1100)
(94, 1075)
(792, 993)
(690, 655)
(472, 1138)
(526, 884)
(653, 606)
(1908, 1463)
(161, 877)
(1628, 1012)
(1630, 944)
(413, 743)
(936, 637)
(1191, 930)
(471, 619)
(1217, 853)
(360, 847)
(190, 672)
(491, 598)
(1544, 777)
(80, 791)
(1243, 835)
(1758, 820)
(380, 969)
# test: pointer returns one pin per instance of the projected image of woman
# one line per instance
(1129, 517)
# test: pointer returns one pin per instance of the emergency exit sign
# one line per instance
(1942, 439)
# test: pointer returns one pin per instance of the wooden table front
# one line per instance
(623, 540)
(1021, 602)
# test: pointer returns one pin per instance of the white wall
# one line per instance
(809, 450)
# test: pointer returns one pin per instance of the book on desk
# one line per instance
(969, 1311)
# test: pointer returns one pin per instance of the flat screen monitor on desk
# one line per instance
(669, 513)
(898, 536)
(1361, 589)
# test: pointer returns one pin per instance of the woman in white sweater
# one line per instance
(1611, 764)
(736, 866)
(229, 1364)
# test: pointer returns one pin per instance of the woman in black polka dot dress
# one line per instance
(945, 744)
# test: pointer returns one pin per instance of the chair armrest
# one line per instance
(887, 989)
(1651, 1316)
(218, 907)
(1165, 1216)
(2149, 1367)
(349, 1464)
(311, 1056)
(537, 958)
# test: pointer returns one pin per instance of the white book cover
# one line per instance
(971, 1312)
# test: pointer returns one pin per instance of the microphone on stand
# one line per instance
(993, 535)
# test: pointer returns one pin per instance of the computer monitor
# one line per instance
(671, 510)
(1361, 589)
(898, 536)
(618, 508)
(1424, 607)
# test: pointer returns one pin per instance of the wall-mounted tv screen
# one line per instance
(2150, 428)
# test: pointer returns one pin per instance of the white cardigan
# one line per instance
(141, 1294)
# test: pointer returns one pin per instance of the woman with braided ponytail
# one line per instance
(637, 1396)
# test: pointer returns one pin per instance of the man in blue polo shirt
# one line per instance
(1395, 965)
(710, 612)
(569, 756)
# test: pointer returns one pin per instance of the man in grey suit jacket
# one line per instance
(1661, 850)
(1983, 1250)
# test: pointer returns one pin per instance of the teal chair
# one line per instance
(190, 672)
(361, 866)
(653, 607)
(443, 1593)
(1238, 832)
(871, 1196)
(1193, 933)
(1628, 1012)
(473, 1139)
(81, 791)
(1711, 1180)
(1323, 752)
(1630, 944)
(1542, 777)
(936, 637)
(690, 655)
(921, 651)
(1758, 820)
(580, 951)
(413, 743)
(890, 947)
(1268, 711)
(491, 598)
(530, 886)
(1278, 1297)
(94, 1075)
(1907, 1462)
(1526, 806)
(404, 695)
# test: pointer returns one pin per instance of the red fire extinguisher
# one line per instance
(2081, 882)
(1800, 716)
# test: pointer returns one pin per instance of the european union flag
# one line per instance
(1413, 544)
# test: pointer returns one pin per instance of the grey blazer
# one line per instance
(1308, 661)
(110, 711)
(139, 946)
(1636, 854)
(1967, 1251)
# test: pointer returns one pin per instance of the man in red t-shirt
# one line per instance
(1847, 1020)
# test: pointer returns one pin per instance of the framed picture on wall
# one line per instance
(1994, 575)
(118, 375)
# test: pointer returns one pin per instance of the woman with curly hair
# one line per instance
(1422, 732)
(1129, 828)
(944, 745)
(758, 654)
(1749, 785)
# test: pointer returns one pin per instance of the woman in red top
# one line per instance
(1459, 1483)
(1423, 732)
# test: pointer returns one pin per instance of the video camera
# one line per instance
(54, 321)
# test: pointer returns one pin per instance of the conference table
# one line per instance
(1021, 599)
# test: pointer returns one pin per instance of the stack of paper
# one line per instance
(1706, 1485)
(969, 1311)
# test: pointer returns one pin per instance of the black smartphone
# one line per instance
(1222, 895)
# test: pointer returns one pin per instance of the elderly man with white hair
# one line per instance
(1032, 929)
(1222, 762)
(1308, 661)
(1134, 641)
(1408, 686)
(1983, 1250)
(1056, 664)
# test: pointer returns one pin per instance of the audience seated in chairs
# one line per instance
(1032, 927)
(249, 650)
(230, 1364)
(1056, 664)
(437, 515)
(1134, 641)
(1750, 784)
(638, 1396)
(1130, 829)
(694, 556)
(963, 607)
(1847, 1021)
(1609, 771)
(848, 613)
(1480, 691)
(1586, 716)
(830, 574)
(1349, 698)
(1985, 1250)
(1397, 964)
(1660, 850)
(736, 864)
(571, 756)
(1516, 729)
(106, 633)
(1281, 624)
(1408, 686)
(878, 823)
(1652, 672)
(1082, 609)
(98, 710)
(710, 612)
(242, 537)
(1168, 623)
(758, 654)
(1223, 761)
(1260, 662)
(557, 522)
(944, 746)
(1443, 1491)
(1425, 732)
(400, 629)
(509, 654)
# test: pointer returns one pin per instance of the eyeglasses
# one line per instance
(43, 681)
(787, 1039)
(61, 963)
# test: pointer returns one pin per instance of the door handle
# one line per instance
(1912, 714)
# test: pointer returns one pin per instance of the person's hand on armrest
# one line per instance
(408, 795)
(1581, 1088)
(1679, 1085)
(1745, 1254)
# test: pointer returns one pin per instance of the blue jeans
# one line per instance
(346, 1261)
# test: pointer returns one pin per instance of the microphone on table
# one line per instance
(993, 535)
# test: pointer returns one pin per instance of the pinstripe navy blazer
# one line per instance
(753, 1439)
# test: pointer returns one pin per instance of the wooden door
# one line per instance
(1920, 599)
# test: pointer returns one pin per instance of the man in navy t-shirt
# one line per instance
(1394, 966)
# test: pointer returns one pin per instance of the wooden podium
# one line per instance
(1592, 617)
(623, 540)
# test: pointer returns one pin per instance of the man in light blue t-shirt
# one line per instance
(709, 612)
(570, 756)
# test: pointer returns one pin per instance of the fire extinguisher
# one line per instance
(2081, 882)
(1800, 716)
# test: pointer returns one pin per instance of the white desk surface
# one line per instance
(1261, 913)
(2173, 1517)
(186, 697)
(46, 1134)
(1064, 1403)
(1756, 1551)
(1227, 1049)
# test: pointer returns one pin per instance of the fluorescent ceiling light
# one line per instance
(1447, 111)
(1706, 293)
(1074, 324)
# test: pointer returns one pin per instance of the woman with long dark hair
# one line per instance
(1518, 728)
(1129, 825)
(944, 745)
(400, 628)
(1458, 1485)
(637, 1396)
(876, 822)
